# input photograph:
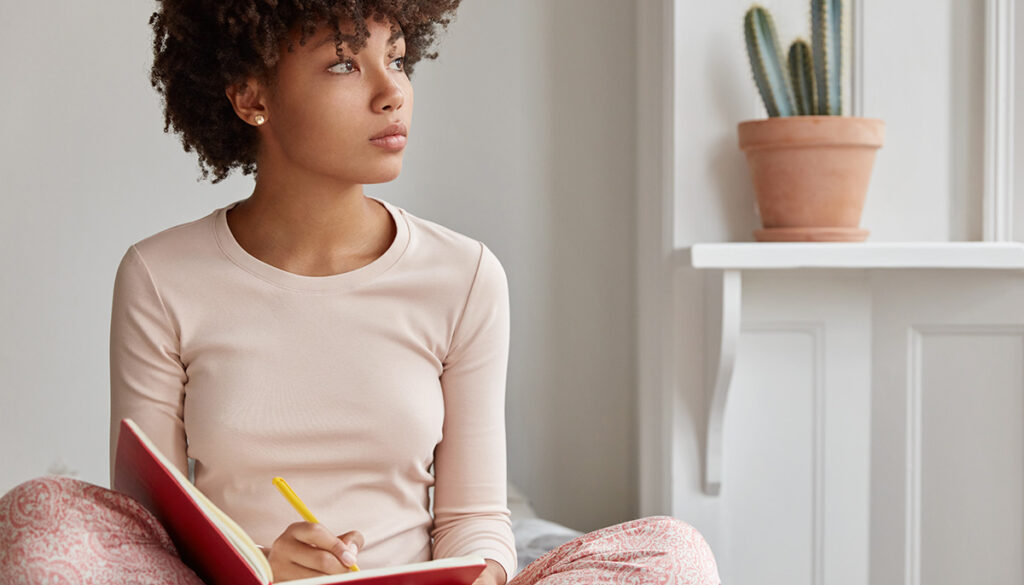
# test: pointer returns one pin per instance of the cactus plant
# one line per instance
(763, 51)
(810, 82)
(826, 34)
(801, 75)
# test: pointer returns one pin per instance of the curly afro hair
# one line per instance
(201, 47)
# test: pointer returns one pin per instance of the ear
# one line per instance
(248, 100)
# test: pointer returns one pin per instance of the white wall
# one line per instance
(929, 88)
(524, 140)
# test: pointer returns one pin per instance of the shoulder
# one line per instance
(178, 238)
(174, 245)
(444, 246)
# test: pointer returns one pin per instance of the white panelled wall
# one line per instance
(848, 413)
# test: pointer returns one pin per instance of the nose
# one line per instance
(390, 95)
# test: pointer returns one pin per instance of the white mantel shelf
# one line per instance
(727, 261)
(864, 255)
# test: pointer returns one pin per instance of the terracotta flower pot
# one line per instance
(810, 175)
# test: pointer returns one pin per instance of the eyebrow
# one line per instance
(398, 34)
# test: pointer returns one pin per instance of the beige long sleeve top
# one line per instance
(350, 386)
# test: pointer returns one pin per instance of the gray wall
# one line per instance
(523, 139)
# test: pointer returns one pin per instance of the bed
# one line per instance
(534, 536)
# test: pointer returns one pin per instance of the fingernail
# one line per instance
(348, 558)
(352, 546)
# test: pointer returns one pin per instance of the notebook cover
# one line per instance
(200, 544)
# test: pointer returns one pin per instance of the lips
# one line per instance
(391, 130)
(394, 142)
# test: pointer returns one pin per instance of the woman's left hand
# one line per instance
(494, 574)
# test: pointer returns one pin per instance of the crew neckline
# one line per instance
(300, 282)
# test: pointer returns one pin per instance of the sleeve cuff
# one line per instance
(509, 564)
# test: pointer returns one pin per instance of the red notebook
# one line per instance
(217, 548)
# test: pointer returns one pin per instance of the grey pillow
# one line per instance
(536, 536)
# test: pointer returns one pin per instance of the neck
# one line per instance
(305, 222)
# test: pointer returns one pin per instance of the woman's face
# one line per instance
(323, 110)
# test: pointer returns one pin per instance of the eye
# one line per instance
(345, 62)
(349, 63)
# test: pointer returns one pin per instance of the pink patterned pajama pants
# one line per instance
(59, 530)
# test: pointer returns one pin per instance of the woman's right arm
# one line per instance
(147, 378)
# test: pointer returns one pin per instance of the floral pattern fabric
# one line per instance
(57, 530)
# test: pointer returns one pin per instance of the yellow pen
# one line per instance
(293, 499)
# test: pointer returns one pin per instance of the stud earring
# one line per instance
(259, 119)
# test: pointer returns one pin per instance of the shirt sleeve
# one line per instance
(147, 378)
(471, 514)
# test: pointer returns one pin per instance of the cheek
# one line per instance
(319, 123)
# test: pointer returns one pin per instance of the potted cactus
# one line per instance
(809, 163)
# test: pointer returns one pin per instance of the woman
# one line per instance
(313, 332)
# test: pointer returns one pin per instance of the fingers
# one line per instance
(353, 541)
(292, 559)
(353, 537)
(315, 548)
(316, 560)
